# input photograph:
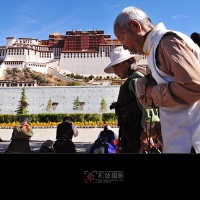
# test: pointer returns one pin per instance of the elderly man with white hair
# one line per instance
(174, 61)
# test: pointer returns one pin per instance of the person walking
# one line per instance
(174, 61)
(127, 107)
(64, 133)
(21, 135)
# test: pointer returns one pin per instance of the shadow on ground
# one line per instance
(81, 147)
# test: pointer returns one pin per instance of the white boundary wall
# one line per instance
(38, 97)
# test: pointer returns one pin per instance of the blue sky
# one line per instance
(39, 18)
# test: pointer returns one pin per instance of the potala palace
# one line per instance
(80, 52)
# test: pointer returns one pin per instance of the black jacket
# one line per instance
(129, 120)
(64, 131)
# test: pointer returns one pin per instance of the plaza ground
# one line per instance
(83, 141)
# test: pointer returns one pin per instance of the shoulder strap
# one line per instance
(133, 78)
(147, 114)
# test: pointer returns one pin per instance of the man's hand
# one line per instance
(146, 99)
(114, 105)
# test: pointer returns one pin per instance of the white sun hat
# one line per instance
(118, 55)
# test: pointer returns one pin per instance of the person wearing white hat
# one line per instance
(119, 55)
(137, 126)
(123, 64)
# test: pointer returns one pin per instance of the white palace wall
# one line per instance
(38, 97)
(93, 65)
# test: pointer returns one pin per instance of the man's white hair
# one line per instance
(130, 13)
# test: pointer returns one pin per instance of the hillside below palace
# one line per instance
(79, 52)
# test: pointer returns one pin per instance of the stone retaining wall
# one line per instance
(38, 97)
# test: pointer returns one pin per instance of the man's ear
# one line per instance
(135, 26)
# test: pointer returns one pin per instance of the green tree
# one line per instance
(49, 106)
(77, 104)
(23, 104)
(103, 106)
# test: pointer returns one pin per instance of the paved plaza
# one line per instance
(83, 141)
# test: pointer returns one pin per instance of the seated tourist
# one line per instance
(21, 135)
(47, 147)
(64, 134)
(104, 142)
